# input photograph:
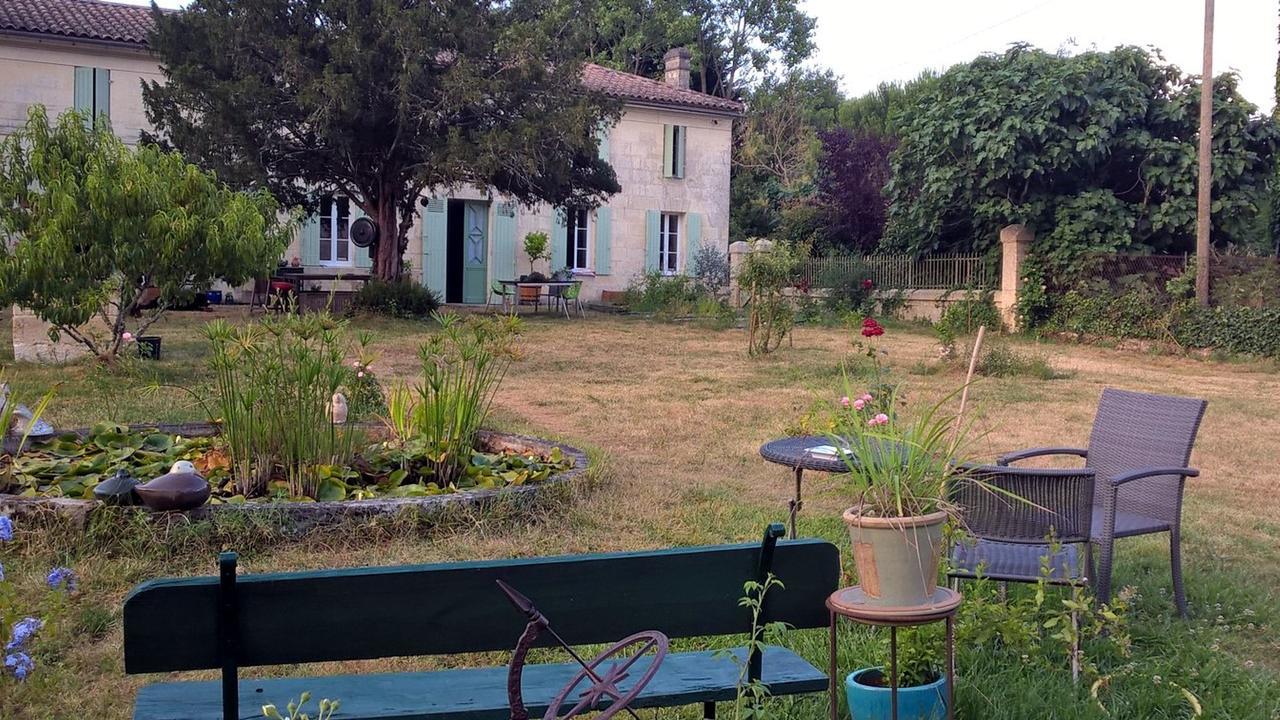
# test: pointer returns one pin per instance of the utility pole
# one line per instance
(1203, 197)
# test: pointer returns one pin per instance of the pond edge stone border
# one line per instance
(300, 516)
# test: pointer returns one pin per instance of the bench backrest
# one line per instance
(363, 613)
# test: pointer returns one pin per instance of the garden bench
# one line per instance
(229, 622)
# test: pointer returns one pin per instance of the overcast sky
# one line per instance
(868, 42)
(871, 41)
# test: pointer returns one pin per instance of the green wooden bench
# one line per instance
(230, 622)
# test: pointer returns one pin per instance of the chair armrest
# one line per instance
(1037, 452)
(1141, 473)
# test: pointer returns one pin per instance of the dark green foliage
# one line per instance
(676, 297)
(396, 298)
(976, 309)
(711, 268)
(1137, 312)
(1000, 359)
(849, 289)
(1233, 329)
(1091, 151)
(382, 99)
(879, 112)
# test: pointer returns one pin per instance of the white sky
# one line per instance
(870, 41)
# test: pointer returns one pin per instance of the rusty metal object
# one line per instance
(601, 685)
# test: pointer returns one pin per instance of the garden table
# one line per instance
(851, 603)
(548, 284)
(794, 452)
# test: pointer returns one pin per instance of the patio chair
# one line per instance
(571, 294)
(1139, 448)
(1021, 524)
(261, 291)
(503, 293)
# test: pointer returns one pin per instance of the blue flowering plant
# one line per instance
(21, 623)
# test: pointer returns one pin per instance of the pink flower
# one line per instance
(881, 419)
(360, 374)
(844, 401)
(356, 364)
(859, 403)
(866, 397)
(127, 337)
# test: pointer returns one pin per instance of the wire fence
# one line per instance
(1234, 280)
(941, 272)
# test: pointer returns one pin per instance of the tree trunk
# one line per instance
(388, 253)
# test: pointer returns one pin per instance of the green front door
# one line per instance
(475, 249)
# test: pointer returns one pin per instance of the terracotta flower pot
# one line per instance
(897, 558)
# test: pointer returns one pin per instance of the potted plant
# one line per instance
(922, 686)
(536, 247)
(902, 470)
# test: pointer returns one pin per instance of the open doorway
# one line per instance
(467, 252)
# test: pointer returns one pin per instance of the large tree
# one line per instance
(853, 169)
(380, 100)
(1096, 152)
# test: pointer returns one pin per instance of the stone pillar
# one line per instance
(1015, 243)
(738, 252)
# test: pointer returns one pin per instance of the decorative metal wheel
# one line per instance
(601, 683)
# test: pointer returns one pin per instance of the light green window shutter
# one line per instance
(604, 241)
(681, 137)
(82, 96)
(309, 239)
(559, 238)
(435, 230)
(362, 257)
(651, 239)
(602, 136)
(668, 142)
(504, 242)
(102, 93)
(693, 236)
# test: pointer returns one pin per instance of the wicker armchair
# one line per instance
(1009, 516)
(1139, 447)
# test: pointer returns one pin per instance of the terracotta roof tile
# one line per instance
(85, 19)
(627, 86)
(98, 20)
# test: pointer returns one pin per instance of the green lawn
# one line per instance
(673, 416)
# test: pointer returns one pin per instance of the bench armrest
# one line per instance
(1141, 473)
(1017, 455)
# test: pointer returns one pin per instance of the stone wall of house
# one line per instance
(42, 72)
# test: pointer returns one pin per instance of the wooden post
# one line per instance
(1203, 196)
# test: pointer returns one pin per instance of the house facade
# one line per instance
(670, 151)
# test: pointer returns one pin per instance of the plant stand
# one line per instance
(851, 603)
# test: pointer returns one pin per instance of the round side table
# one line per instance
(851, 603)
(793, 452)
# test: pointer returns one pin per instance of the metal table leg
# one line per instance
(796, 503)
(831, 669)
(951, 667)
(893, 671)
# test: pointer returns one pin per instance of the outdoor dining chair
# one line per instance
(1139, 448)
(572, 294)
(1022, 524)
(502, 293)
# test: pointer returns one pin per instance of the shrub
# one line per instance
(711, 268)
(1136, 312)
(964, 317)
(849, 288)
(667, 296)
(766, 272)
(1235, 329)
(398, 298)
(1002, 360)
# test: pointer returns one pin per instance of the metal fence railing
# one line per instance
(941, 272)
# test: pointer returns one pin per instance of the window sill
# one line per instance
(584, 273)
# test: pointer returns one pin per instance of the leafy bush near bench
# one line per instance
(400, 299)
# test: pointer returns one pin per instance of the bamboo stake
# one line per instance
(973, 365)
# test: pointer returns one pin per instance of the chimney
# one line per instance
(677, 62)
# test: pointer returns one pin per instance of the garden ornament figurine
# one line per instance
(182, 488)
(337, 408)
(598, 683)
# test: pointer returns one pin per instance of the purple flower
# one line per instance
(6, 528)
(23, 630)
(20, 664)
(62, 578)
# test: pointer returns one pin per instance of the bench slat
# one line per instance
(476, 693)
(362, 613)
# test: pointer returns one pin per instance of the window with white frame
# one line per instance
(577, 233)
(669, 244)
(335, 226)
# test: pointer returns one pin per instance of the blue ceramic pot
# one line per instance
(871, 702)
